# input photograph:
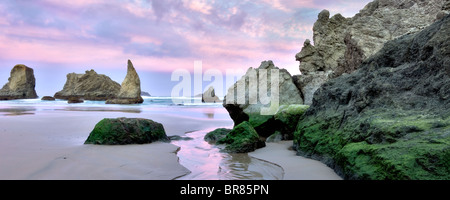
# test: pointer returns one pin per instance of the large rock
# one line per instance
(390, 119)
(243, 105)
(341, 44)
(88, 86)
(130, 91)
(20, 84)
(209, 96)
(126, 131)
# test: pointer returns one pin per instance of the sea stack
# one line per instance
(210, 96)
(21, 84)
(130, 91)
(88, 86)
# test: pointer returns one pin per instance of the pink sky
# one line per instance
(60, 37)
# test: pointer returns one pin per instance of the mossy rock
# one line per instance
(216, 135)
(380, 145)
(121, 131)
(287, 118)
(284, 121)
(242, 139)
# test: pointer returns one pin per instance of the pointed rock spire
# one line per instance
(130, 91)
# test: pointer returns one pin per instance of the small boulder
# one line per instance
(75, 100)
(123, 130)
(242, 139)
(216, 135)
(48, 98)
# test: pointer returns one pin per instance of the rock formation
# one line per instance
(126, 131)
(48, 98)
(88, 86)
(248, 103)
(390, 119)
(216, 135)
(75, 100)
(20, 84)
(341, 44)
(130, 91)
(143, 93)
(209, 96)
(242, 139)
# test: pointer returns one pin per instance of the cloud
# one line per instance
(159, 33)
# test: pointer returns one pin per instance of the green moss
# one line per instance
(216, 135)
(126, 131)
(289, 113)
(284, 121)
(243, 138)
(256, 119)
(384, 145)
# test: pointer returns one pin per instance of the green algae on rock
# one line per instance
(121, 131)
(242, 139)
(216, 135)
(389, 119)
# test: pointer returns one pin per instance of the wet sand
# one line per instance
(207, 162)
(49, 145)
(295, 167)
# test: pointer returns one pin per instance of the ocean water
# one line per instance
(192, 107)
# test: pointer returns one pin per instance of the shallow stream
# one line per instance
(207, 162)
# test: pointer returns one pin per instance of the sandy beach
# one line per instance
(295, 167)
(48, 144)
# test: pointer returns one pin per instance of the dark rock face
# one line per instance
(88, 86)
(390, 119)
(126, 131)
(216, 135)
(21, 84)
(342, 44)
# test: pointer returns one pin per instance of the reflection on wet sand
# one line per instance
(17, 111)
(209, 113)
(206, 162)
(102, 109)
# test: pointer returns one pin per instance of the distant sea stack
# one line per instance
(21, 84)
(342, 44)
(130, 91)
(210, 96)
(88, 86)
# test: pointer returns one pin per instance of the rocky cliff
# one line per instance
(21, 84)
(88, 86)
(390, 119)
(341, 44)
(130, 90)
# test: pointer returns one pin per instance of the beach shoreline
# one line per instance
(48, 144)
